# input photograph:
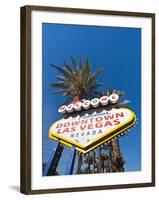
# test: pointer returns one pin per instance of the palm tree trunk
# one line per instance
(100, 160)
(109, 146)
(94, 157)
(118, 158)
(89, 168)
(79, 163)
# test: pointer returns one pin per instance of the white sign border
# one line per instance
(73, 181)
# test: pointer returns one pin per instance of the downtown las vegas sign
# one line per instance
(88, 124)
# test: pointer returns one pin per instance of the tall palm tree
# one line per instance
(102, 157)
(80, 161)
(90, 160)
(94, 160)
(76, 82)
(88, 164)
(116, 157)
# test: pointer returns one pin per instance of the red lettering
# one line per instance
(59, 125)
(66, 124)
(104, 98)
(119, 115)
(98, 119)
(83, 127)
(66, 130)
(77, 104)
(75, 123)
(90, 126)
(113, 97)
(94, 100)
(116, 122)
(86, 103)
(59, 131)
(108, 123)
(84, 121)
(107, 117)
(98, 125)
(73, 129)
(91, 120)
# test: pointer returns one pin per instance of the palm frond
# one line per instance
(95, 85)
(87, 61)
(120, 93)
(75, 66)
(125, 102)
(59, 91)
(73, 61)
(108, 92)
(61, 78)
(94, 75)
(80, 63)
(85, 73)
(77, 81)
(67, 66)
(59, 84)
(114, 91)
(63, 71)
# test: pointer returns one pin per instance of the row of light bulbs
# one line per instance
(86, 104)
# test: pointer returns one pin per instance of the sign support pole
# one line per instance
(50, 166)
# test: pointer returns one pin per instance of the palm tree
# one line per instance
(88, 164)
(103, 157)
(94, 160)
(116, 157)
(80, 161)
(76, 82)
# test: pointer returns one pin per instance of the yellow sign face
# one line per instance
(88, 131)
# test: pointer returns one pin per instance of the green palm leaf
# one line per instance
(95, 85)
(59, 91)
(80, 63)
(67, 66)
(125, 102)
(63, 71)
(59, 84)
(61, 78)
(77, 81)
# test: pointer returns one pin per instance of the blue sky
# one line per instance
(114, 49)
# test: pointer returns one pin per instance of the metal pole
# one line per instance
(53, 160)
